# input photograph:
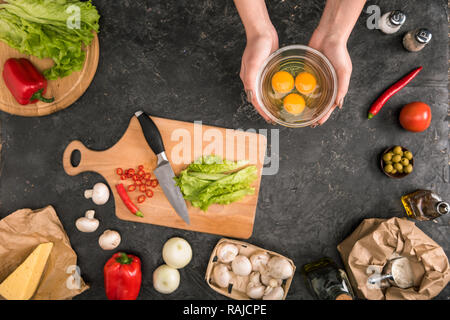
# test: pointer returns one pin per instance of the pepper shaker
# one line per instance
(416, 40)
(391, 22)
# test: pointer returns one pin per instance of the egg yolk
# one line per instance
(282, 82)
(305, 82)
(294, 103)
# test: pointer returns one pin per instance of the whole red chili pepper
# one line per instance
(127, 201)
(396, 87)
(26, 84)
(123, 276)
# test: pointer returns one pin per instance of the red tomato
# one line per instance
(415, 116)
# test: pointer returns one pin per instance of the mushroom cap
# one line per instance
(259, 260)
(241, 266)
(280, 268)
(221, 275)
(273, 293)
(109, 240)
(227, 252)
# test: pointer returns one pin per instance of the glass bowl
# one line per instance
(295, 59)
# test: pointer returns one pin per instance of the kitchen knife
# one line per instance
(163, 171)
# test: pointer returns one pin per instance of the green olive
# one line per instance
(388, 168)
(408, 155)
(398, 167)
(408, 168)
(387, 156)
(396, 158)
(393, 171)
(404, 162)
(388, 162)
(398, 150)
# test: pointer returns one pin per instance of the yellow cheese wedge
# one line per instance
(23, 282)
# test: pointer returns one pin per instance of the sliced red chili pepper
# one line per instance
(131, 187)
(131, 171)
(127, 201)
(148, 176)
(119, 171)
(141, 199)
(142, 188)
(135, 178)
(123, 177)
(141, 173)
(140, 167)
(148, 183)
(138, 182)
(149, 193)
(154, 183)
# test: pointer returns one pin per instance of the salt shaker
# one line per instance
(391, 22)
(416, 40)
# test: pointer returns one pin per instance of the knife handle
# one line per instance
(151, 132)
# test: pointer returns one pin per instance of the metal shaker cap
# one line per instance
(423, 36)
(397, 17)
(443, 207)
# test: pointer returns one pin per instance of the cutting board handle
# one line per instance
(82, 165)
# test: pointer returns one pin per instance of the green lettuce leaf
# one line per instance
(39, 28)
(203, 187)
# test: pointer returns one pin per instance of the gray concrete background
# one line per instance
(181, 60)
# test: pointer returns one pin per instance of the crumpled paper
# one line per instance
(375, 241)
(21, 232)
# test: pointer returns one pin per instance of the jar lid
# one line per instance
(397, 17)
(423, 35)
(443, 207)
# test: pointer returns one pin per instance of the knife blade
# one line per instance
(163, 171)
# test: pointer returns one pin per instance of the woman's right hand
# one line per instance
(258, 48)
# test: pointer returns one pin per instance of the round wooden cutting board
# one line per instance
(65, 90)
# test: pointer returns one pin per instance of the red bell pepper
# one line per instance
(26, 84)
(123, 277)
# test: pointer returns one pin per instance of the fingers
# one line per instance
(343, 77)
(324, 118)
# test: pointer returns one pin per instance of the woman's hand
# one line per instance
(258, 48)
(335, 49)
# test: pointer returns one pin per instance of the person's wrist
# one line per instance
(331, 35)
(261, 30)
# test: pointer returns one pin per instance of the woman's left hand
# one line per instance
(335, 49)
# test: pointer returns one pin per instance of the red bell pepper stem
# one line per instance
(38, 96)
(127, 201)
(123, 277)
(396, 87)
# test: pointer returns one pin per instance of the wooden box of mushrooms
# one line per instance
(242, 271)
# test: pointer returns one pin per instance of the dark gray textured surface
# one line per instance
(181, 60)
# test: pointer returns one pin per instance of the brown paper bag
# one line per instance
(21, 232)
(375, 241)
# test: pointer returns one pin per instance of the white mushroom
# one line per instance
(227, 252)
(87, 223)
(259, 260)
(241, 266)
(255, 289)
(109, 240)
(268, 280)
(99, 193)
(273, 293)
(280, 268)
(221, 275)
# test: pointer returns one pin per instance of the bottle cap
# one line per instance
(443, 207)
(397, 18)
(423, 36)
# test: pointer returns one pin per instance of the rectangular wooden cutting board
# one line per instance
(184, 142)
